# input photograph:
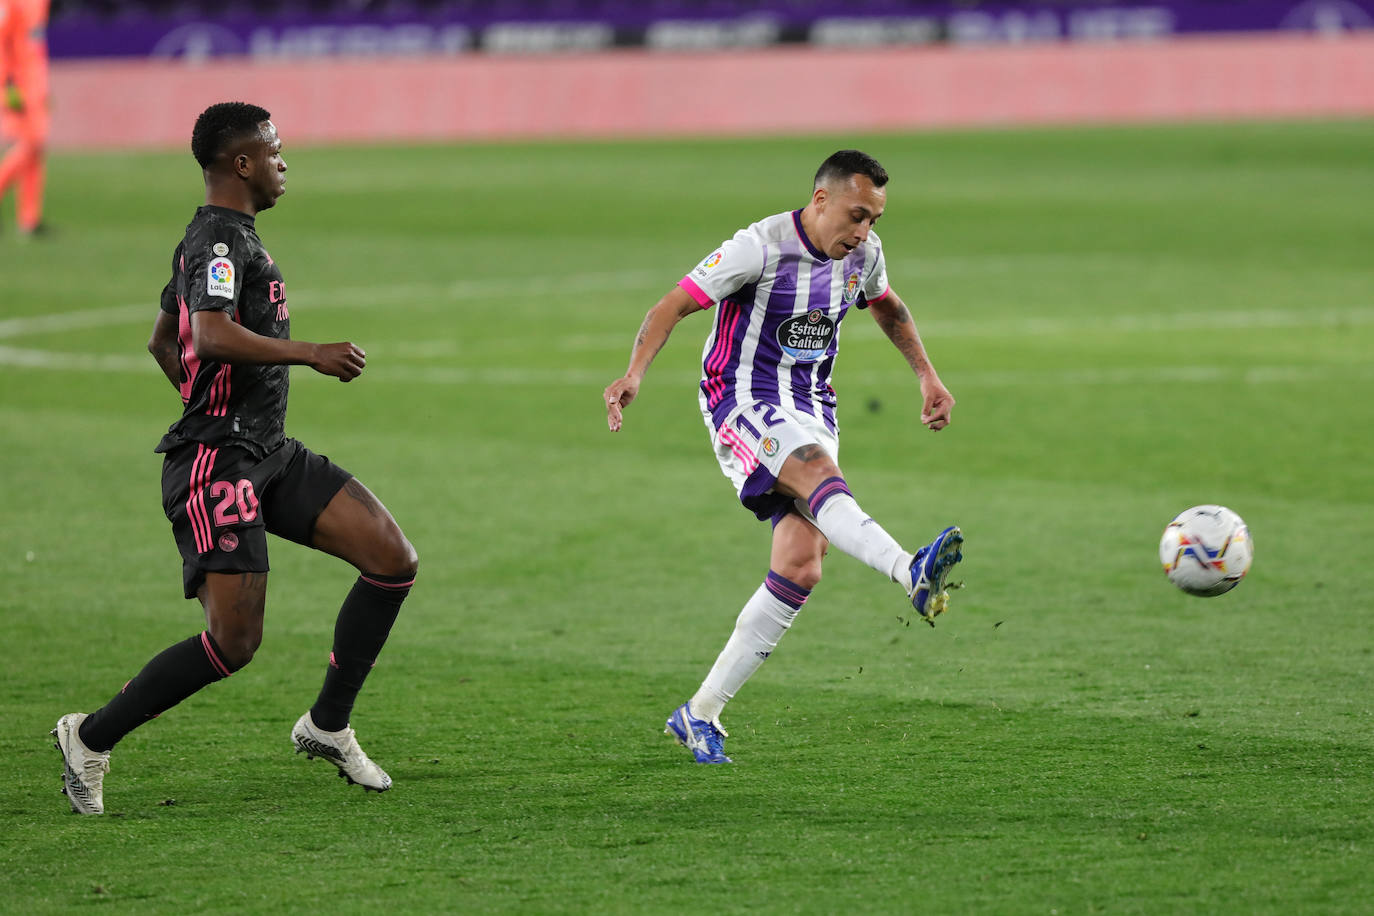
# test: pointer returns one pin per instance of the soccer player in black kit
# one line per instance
(230, 475)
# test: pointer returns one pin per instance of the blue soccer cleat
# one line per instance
(928, 571)
(706, 740)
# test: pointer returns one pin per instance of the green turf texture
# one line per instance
(1133, 321)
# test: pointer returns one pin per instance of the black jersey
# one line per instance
(221, 264)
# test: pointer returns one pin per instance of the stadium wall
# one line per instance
(114, 104)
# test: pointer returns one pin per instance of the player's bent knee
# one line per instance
(806, 574)
(237, 647)
(397, 557)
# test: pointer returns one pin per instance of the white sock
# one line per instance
(766, 616)
(851, 530)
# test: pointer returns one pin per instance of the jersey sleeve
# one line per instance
(169, 292)
(735, 264)
(216, 262)
(875, 285)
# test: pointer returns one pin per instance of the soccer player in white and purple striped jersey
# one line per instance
(780, 289)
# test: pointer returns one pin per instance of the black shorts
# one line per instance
(223, 501)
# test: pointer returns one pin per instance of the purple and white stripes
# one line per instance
(829, 488)
(781, 303)
(786, 591)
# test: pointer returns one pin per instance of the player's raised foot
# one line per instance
(706, 740)
(929, 570)
(83, 770)
(341, 749)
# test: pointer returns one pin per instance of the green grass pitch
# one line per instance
(1133, 321)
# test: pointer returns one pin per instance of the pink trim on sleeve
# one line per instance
(882, 297)
(696, 292)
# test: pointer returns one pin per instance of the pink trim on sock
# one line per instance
(786, 591)
(829, 488)
(392, 585)
(215, 661)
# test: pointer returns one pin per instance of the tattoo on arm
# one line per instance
(642, 340)
(901, 330)
(808, 453)
(643, 332)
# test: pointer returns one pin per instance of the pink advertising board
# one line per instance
(126, 104)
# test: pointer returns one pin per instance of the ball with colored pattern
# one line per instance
(1206, 550)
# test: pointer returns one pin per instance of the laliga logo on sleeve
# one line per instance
(701, 269)
(219, 278)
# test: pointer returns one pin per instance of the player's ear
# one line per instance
(818, 196)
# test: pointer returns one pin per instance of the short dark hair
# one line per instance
(222, 125)
(847, 163)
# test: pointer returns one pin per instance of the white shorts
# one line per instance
(754, 442)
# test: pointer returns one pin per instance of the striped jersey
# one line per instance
(221, 264)
(777, 327)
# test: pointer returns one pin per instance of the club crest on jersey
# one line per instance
(805, 338)
(220, 249)
(228, 542)
(851, 288)
(219, 278)
(769, 446)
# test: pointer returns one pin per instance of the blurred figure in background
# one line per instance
(24, 114)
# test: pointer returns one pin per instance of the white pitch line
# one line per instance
(74, 321)
(1244, 319)
(75, 362)
(504, 376)
(417, 295)
(414, 294)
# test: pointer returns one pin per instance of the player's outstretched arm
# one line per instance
(894, 318)
(163, 346)
(653, 334)
(219, 339)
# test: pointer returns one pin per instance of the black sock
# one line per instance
(364, 622)
(172, 676)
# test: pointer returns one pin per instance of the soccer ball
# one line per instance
(1206, 550)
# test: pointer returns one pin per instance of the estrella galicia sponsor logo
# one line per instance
(228, 542)
(219, 278)
(805, 338)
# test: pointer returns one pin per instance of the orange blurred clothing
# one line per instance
(24, 65)
(24, 62)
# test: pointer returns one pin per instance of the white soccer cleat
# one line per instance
(83, 770)
(341, 749)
